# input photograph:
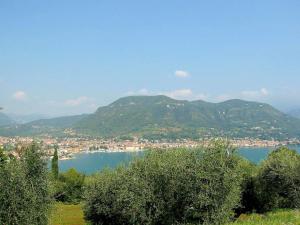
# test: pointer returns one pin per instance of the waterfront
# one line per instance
(92, 162)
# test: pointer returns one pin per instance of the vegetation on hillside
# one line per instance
(161, 117)
(170, 118)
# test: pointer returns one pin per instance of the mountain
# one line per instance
(161, 116)
(54, 126)
(21, 119)
(5, 120)
(58, 122)
(295, 113)
(157, 117)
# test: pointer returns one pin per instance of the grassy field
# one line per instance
(282, 217)
(67, 215)
(73, 215)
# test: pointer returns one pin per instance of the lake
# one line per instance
(89, 163)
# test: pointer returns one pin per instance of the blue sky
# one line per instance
(69, 57)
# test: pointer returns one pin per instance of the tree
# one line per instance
(69, 186)
(3, 156)
(24, 186)
(278, 180)
(54, 163)
(179, 186)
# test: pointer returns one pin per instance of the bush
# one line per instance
(249, 201)
(279, 180)
(24, 194)
(69, 186)
(177, 186)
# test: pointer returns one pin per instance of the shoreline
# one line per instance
(109, 151)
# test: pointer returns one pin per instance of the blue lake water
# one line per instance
(92, 162)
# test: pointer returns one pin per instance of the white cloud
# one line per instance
(201, 96)
(177, 94)
(223, 97)
(182, 74)
(20, 96)
(142, 91)
(263, 92)
(78, 101)
(180, 93)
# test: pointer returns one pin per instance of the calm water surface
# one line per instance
(92, 162)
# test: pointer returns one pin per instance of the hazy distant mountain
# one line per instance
(54, 126)
(21, 119)
(156, 117)
(58, 122)
(295, 113)
(5, 120)
(161, 116)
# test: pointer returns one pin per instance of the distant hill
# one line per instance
(295, 113)
(21, 119)
(5, 120)
(161, 116)
(157, 117)
(58, 122)
(54, 126)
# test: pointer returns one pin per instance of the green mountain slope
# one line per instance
(156, 117)
(161, 116)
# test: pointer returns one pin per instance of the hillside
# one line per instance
(161, 116)
(295, 113)
(156, 117)
(5, 120)
(54, 126)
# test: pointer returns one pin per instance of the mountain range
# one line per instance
(156, 117)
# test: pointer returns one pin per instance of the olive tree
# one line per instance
(177, 186)
(24, 194)
(278, 180)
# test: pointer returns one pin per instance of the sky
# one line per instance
(64, 57)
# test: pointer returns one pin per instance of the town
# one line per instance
(69, 146)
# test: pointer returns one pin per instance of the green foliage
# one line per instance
(158, 117)
(54, 164)
(277, 217)
(279, 180)
(168, 187)
(3, 156)
(161, 117)
(249, 201)
(69, 186)
(24, 194)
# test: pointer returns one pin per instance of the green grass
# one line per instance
(73, 215)
(281, 217)
(67, 215)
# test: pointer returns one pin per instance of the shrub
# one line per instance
(69, 186)
(168, 187)
(279, 180)
(24, 194)
(249, 201)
